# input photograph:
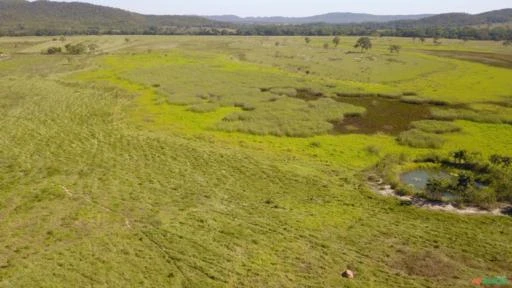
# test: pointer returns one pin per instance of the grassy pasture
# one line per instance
(168, 162)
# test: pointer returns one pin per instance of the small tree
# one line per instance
(422, 39)
(336, 41)
(460, 156)
(364, 43)
(395, 49)
(308, 40)
(507, 43)
(464, 181)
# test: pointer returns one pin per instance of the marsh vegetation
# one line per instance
(236, 162)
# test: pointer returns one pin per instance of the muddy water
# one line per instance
(385, 115)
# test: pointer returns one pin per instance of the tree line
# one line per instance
(370, 29)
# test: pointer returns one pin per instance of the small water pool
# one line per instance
(419, 177)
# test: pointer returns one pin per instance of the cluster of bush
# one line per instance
(72, 49)
(479, 181)
(426, 134)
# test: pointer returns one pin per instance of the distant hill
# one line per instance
(330, 18)
(21, 17)
(463, 19)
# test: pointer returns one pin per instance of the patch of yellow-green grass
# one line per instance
(487, 139)
(105, 183)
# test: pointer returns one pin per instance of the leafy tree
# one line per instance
(364, 43)
(336, 41)
(460, 156)
(422, 39)
(308, 40)
(395, 49)
(464, 181)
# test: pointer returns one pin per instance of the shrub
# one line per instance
(395, 49)
(53, 50)
(245, 106)
(291, 92)
(203, 107)
(485, 197)
(419, 139)
(76, 49)
(470, 115)
(372, 149)
(436, 188)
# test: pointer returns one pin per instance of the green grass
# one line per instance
(437, 127)
(116, 170)
(420, 139)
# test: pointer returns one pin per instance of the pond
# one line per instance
(419, 178)
(390, 116)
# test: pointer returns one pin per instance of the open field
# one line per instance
(238, 161)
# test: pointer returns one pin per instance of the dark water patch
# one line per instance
(306, 94)
(492, 59)
(359, 95)
(386, 115)
(418, 100)
(309, 94)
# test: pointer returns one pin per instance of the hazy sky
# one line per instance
(301, 7)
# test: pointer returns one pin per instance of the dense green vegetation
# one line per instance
(23, 18)
(215, 162)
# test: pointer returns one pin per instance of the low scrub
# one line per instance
(203, 107)
(419, 139)
(434, 126)
(53, 50)
(472, 115)
(289, 117)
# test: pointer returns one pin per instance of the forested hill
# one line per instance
(463, 19)
(18, 17)
(493, 25)
(329, 18)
